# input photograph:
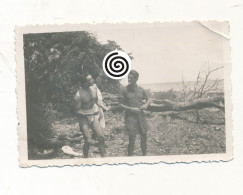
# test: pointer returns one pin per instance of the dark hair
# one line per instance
(134, 73)
(83, 78)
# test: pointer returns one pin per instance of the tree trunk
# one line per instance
(167, 105)
(156, 105)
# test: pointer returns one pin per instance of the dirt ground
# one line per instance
(169, 134)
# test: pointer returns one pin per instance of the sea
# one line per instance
(177, 86)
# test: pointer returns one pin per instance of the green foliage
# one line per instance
(53, 64)
(54, 61)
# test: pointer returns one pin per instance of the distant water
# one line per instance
(176, 86)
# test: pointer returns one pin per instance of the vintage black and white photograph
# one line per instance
(174, 104)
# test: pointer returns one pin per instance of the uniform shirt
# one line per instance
(134, 98)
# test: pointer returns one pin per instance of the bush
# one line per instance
(53, 64)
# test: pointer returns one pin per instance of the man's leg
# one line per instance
(143, 127)
(97, 129)
(85, 129)
(132, 139)
(143, 143)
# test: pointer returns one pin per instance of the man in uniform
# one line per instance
(134, 100)
(87, 111)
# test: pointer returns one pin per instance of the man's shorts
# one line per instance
(136, 124)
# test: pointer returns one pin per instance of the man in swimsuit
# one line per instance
(86, 108)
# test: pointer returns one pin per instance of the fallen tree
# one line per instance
(167, 105)
(199, 89)
(156, 105)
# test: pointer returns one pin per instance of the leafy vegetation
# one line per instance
(54, 61)
(53, 64)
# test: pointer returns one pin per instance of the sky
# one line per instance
(166, 52)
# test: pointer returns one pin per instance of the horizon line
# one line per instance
(175, 82)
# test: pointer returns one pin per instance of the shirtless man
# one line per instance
(86, 108)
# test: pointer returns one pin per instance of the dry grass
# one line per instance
(167, 136)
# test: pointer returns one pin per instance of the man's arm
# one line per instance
(99, 100)
(148, 101)
(131, 109)
(84, 112)
(77, 102)
(101, 104)
(122, 97)
(146, 105)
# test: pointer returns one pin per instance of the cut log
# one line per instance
(156, 105)
(167, 105)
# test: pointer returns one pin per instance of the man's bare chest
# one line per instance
(88, 96)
